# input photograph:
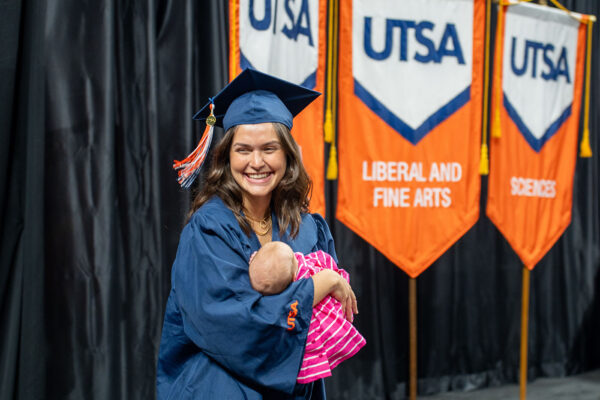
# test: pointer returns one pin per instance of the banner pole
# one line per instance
(524, 326)
(412, 312)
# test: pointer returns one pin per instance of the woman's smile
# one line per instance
(259, 177)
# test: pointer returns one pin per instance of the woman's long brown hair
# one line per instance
(289, 199)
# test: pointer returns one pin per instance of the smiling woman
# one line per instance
(221, 338)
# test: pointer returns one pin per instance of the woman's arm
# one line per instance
(330, 282)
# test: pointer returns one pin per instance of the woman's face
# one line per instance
(257, 161)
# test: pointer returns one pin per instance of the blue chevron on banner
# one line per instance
(412, 61)
(538, 71)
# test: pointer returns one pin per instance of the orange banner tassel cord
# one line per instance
(328, 126)
(332, 165)
(585, 150)
(484, 163)
(189, 168)
(497, 70)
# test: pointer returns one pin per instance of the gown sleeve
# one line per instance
(259, 339)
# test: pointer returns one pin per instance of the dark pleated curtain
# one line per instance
(123, 79)
(97, 99)
(22, 152)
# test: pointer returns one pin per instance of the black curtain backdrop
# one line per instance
(96, 102)
(22, 219)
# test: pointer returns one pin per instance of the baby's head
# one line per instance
(272, 268)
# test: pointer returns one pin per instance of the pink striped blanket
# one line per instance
(331, 338)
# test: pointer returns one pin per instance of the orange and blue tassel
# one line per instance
(189, 168)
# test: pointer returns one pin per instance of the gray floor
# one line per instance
(578, 387)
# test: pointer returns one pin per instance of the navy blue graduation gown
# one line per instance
(221, 339)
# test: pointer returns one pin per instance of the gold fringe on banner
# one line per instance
(497, 70)
(484, 164)
(585, 151)
(328, 126)
(332, 165)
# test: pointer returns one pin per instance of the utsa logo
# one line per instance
(550, 70)
(297, 23)
(449, 45)
(291, 319)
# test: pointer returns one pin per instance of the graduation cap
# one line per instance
(253, 97)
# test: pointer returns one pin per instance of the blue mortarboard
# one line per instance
(252, 97)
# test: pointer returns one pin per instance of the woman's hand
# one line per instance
(330, 282)
(345, 295)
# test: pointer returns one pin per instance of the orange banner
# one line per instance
(287, 40)
(410, 104)
(536, 102)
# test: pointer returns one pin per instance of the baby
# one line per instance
(331, 338)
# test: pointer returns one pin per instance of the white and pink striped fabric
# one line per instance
(331, 338)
